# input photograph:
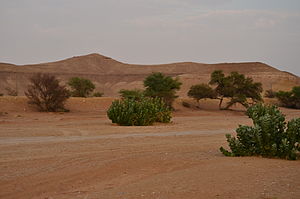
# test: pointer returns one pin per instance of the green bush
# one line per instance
(98, 94)
(269, 137)
(162, 86)
(289, 99)
(81, 87)
(135, 94)
(130, 112)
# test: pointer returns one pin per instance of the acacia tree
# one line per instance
(223, 85)
(46, 93)
(237, 87)
(81, 87)
(201, 91)
(164, 87)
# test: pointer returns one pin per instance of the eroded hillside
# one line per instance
(110, 75)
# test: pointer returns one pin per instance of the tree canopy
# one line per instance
(201, 91)
(237, 87)
(81, 87)
(164, 87)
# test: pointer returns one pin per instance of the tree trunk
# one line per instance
(220, 104)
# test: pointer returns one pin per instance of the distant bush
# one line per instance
(98, 94)
(1, 94)
(11, 92)
(144, 112)
(46, 93)
(289, 99)
(270, 93)
(80, 87)
(270, 136)
(186, 104)
(135, 94)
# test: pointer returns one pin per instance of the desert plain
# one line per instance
(81, 154)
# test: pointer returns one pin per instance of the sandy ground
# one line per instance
(82, 155)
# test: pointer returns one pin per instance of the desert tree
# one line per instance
(162, 86)
(81, 87)
(201, 91)
(243, 88)
(45, 92)
(223, 85)
(237, 87)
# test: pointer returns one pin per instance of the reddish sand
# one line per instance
(82, 155)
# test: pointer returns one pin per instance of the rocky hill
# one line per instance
(110, 75)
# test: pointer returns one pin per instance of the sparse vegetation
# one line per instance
(98, 94)
(270, 93)
(161, 86)
(81, 87)
(236, 87)
(186, 104)
(289, 99)
(46, 93)
(201, 91)
(135, 94)
(144, 112)
(143, 108)
(11, 92)
(269, 137)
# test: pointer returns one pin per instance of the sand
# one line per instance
(80, 154)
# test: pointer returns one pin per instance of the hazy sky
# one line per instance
(152, 31)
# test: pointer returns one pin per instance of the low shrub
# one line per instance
(186, 104)
(144, 112)
(81, 87)
(270, 93)
(289, 99)
(135, 94)
(97, 94)
(11, 91)
(269, 137)
(46, 93)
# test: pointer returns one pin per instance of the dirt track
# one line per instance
(82, 155)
